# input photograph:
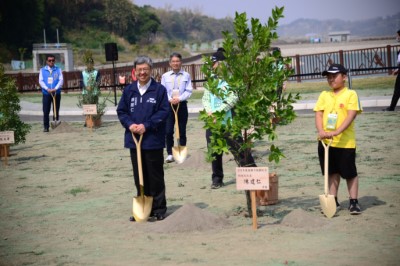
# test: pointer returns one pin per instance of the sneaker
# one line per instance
(170, 159)
(46, 130)
(217, 185)
(58, 122)
(354, 208)
(338, 207)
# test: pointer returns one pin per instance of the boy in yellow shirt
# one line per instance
(335, 112)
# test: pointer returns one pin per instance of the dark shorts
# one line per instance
(341, 161)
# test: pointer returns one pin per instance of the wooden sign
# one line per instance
(7, 137)
(252, 178)
(89, 109)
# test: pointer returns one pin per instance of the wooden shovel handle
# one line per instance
(139, 157)
(176, 121)
(54, 106)
(326, 165)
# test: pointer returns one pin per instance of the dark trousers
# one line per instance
(234, 147)
(396, 93)
(153, 177)
(47, 105)
(170, 125)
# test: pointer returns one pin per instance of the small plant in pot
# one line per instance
(9, 108)
(91, 93)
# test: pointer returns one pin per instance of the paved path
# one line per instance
(28, 108)
(33, 111)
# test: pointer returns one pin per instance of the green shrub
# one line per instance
(9, 108)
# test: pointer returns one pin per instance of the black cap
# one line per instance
(218, 56)
(335, 68)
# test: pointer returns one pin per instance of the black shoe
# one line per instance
(388, 109)
(354, 208)
(217, 185)
(132, 219)
(159, 216)
(338, 207)
(46, 130)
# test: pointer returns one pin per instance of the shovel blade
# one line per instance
(54, 124)
(179, 153)
(328, 205)
(141, 208)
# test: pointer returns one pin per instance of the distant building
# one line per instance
(313, 37)
(339, 36)
(62, 52)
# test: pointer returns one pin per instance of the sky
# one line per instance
(294, 9)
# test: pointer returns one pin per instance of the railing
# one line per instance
(370, 61)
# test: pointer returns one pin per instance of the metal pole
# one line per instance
(44, 36)
(115, 88)
(349, 78)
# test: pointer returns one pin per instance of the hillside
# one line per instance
(376, 27)
(144, 30)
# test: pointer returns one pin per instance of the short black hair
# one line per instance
(175, 54)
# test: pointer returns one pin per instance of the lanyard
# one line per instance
(179, 81)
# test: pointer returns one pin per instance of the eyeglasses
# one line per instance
(144, 70)
(52, 60)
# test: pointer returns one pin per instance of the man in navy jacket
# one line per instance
(143, 110)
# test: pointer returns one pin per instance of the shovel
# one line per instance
(180, 152)
(327, 201)
(54, 123)
(141, 205)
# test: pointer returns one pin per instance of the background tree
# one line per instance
(21, 24)
(252, 72)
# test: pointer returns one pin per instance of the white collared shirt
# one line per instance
(143, 89)
(177, 81)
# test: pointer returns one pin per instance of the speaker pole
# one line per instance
(115, 88)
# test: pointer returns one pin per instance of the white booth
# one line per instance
(62, 52)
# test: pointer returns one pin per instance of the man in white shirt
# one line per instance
(179, 88)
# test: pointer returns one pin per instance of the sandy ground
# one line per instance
(66, 196)
(316, 48)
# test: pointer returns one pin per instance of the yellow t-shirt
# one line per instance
(339, 104)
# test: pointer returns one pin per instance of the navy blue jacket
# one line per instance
(150, 109)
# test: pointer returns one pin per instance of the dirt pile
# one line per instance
(64, 127)
(189, 218)
(299, 218)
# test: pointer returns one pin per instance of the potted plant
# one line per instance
(9, 108)
(91, 93)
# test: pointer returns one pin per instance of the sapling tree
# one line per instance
(9, 109)
(254, 73)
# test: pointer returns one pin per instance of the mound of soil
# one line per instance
(189, 218)
(64, 127)
(299, 218)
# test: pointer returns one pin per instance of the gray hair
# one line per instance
(143, 59)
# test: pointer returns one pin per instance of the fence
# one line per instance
(370, 61)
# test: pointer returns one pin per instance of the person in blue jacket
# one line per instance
(143, 110)
(51, 81)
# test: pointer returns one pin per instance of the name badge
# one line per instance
(175, 93)
(331, 123)
(50, 80)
